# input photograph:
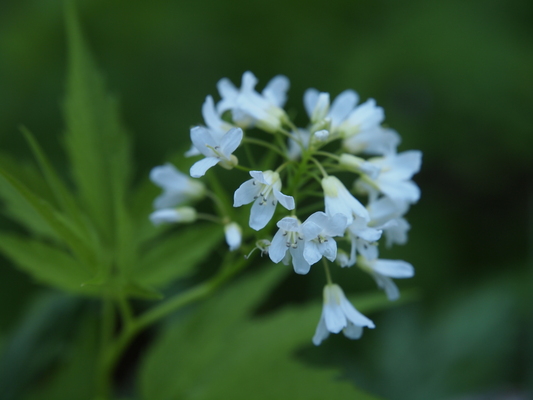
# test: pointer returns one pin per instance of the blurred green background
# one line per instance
(456, 81)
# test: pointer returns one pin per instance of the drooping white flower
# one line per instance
(339, 200)
(319, 230)
(339, 314)
(233, 234)
(289, 238)
(177, 187)
(173, 215)
(383, 270)
(215, 150)
(264, 190)
(250, 108)
(215, 124)
(393, 180)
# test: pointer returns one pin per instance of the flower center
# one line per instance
(292, 238)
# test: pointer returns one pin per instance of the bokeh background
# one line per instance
(455, 79)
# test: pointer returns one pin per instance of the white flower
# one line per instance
(264, 190)
(319, 230)
(339, 200)
(383, 270)
(318, 108)
(170, 215)
(363, 239)
(393, 180)
(177, 187)
(377, 140)
(289, 237)
(215, 124)
(215, 150)
(233, 234)
(339, 314)
(365, 117)
(250, 108)
(387, 215)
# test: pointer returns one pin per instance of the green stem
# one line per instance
(115, 349)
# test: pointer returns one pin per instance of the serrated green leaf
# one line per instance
(222, 353)
(47, 264)
(62, 227)
(188, 347)
(62, 195)
(96, 141)
(16, 205)
(175, 256)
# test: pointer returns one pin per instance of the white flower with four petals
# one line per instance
(264, 190)
(217, 150)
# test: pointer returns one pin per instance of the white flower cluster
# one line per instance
(305, 161)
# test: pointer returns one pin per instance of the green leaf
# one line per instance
(175, 256)
(16, 205)
(221, 353)
(73, 376)
(36, 342)
(47, 264)
(183, 352)
(62, 195)
(96, 141)
(62, 227)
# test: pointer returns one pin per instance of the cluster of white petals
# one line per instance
(348, 229)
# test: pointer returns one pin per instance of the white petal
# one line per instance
(342, 106)
(246, 193)
(321, 332)
(278, 247)
(394, 268)
(211, 117)
(310, 229)
(319, 219)
(231, 140)
(387, 284)
(329, 249)
(201, 138)
(259, 176)
(289, 224)
(337, 225)
(301, 266)
(335, 318)
(260, 215)
(400, 191)
(226, 88)
(353, 331)
(199, 168)
(276, 90)
(310, 100)
(353, 315)
(311, 253)
(168, 176)
(233, 235)
(284, 200)
(169, 199)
